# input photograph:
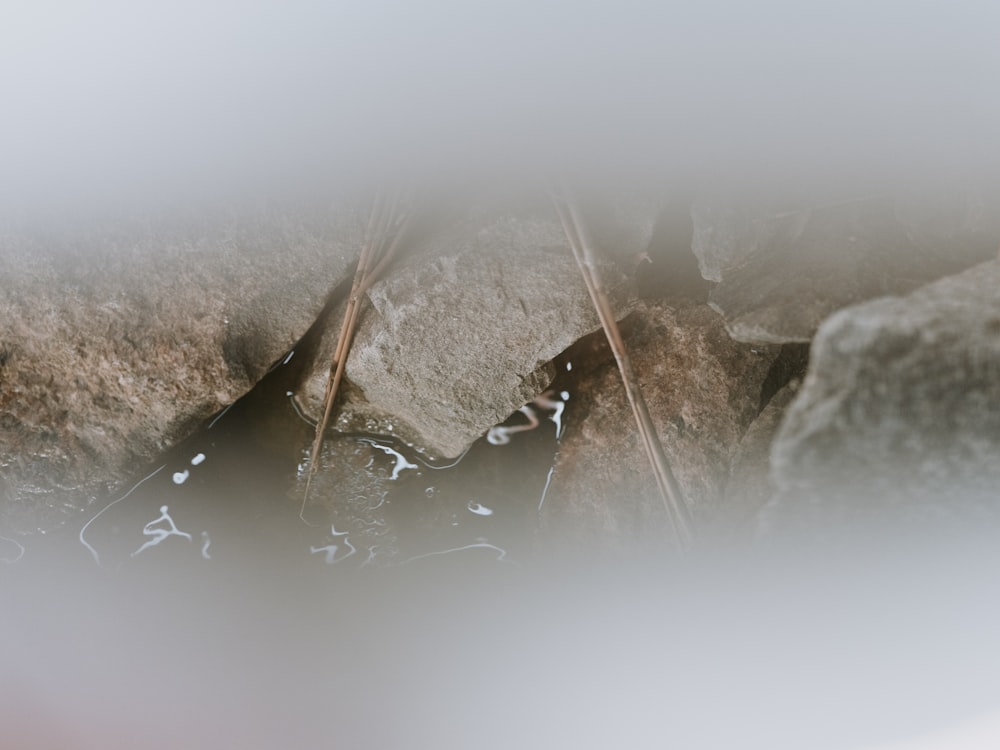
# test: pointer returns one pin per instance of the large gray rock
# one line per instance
(120, 340)
(462, 331)
(897, 419)
(781, 272)
(703, 391)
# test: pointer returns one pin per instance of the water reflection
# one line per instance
(11, 551)
(237, 488)
(767, 655)
(332, 552)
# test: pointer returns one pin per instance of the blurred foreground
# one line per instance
(774, 651)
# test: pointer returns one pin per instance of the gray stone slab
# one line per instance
(897, 419)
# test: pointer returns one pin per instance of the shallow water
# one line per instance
(406, 605)
(237, 488)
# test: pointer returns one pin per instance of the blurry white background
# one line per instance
(113, 100)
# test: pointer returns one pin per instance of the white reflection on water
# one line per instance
(161, 534)
(331, 550)
(19, 551)
(500, 435)
(545, 490)
(219, 416)
(83, 541)
(557, 406)
(381, 500)
(401, 462)
(501, 556)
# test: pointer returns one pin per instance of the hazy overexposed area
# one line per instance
(667, 340)
(115, 101)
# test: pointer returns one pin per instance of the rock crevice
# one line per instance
(120, 340)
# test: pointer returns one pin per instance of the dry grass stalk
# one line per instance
(583, 250)
(386, 226)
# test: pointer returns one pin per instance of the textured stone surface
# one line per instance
(461, 332)
(750, 486)
(726, 230)
(781, 273)
(119, 340)
(898, 418)
(703, 390)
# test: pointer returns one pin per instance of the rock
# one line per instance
(726, 231)
(119, 340)
(781, 273)
(897, 418)
(703, 390)
(462, 332)
(750, 487)
(672, 271)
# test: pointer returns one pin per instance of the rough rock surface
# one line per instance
(750, 486)
(462, 332)
(118, 341)
(897, 418)
(781, 273)
(703, 390)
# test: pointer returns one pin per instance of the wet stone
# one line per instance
(461, 332)
(703, 391)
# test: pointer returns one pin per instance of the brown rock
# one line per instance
(703, 390)
(119, 340)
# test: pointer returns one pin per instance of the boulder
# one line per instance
(119, 340)
(462, 331)
(783, 269)
(703, 390)
(897, 420)
(750, 486)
